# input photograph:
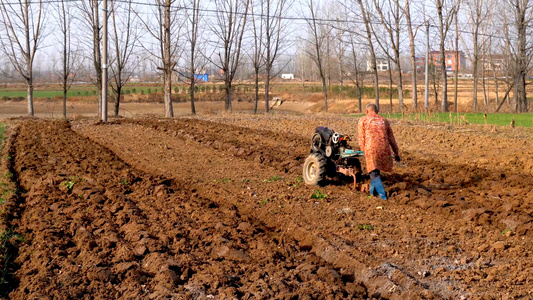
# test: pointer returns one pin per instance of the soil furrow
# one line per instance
(98, 228)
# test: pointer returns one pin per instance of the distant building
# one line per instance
(435, 58)
(494, 62)
(382, 64)
(287, 76)
(420, 63)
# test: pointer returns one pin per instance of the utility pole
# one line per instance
(426, 100)
(104, 65)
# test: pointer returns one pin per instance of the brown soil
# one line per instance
(214, 206)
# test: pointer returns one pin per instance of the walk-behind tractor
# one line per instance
(331, 156)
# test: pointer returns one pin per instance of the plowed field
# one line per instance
(214, 207)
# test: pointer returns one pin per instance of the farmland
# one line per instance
(215, 206)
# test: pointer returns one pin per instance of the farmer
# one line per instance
(376, 140)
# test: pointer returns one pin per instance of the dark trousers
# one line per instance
(374, 174)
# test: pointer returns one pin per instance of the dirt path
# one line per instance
(216, 205)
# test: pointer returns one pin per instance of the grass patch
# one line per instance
(499, 119)
(9, 240)
(2, 135)
(318, 195)
(365, 227)
(272, 179)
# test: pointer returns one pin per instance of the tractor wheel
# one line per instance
(316, 143)
(314, 172)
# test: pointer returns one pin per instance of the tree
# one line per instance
(412, 36)
(392, 25)
(69, 57)
(193, 19)
(124, 45)
(522, 11)
(478, 11)
(258, 49)
(228, 28)
(367, 21)
(274, 35)
(357, 76)
(165, 29)
(22, 23)
(319, 36)
(91, 20)
(446, 11)
(341, 45)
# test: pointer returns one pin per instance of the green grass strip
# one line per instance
(499, 119)
(2, 134)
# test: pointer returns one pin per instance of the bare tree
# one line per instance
(522, 10)
(412, 36)
(70, 60)
(166, 29)
(22, 25)
(229, 27)
(317, 41)
(392, 24)
(193, 18)
(456, 73)
(274, 34)
(478, 11)
(258, 49)
(340, 46)
(125, 41)
(363, 5)
(446, 11)
(91, 20)
(357, 75)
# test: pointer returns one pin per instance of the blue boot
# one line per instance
(376, 186)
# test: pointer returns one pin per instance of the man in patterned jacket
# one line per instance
(376, 140)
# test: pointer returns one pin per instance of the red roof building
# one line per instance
(435, 58)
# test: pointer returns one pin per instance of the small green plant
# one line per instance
(318, 195)
(225, 180)
(69, 184)
(264, 201)
(299, 179)
(245, 180)
(272, 179)
(506, 231)
(125, 182)
(365, 227)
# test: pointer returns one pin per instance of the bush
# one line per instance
(157, 98)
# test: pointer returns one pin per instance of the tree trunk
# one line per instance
(117, 100)
(390, 86)
(227, 86)
(267, 91)
(412, 48)
(169, 112)
(31, 113)
(191, 92)
(64, 104)
(256, 89)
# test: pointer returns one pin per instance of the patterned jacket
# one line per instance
(376, 140)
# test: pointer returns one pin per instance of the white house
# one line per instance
(382, 64)
(287, 76)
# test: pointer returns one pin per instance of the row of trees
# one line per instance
(182, 37)
(483, 29)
